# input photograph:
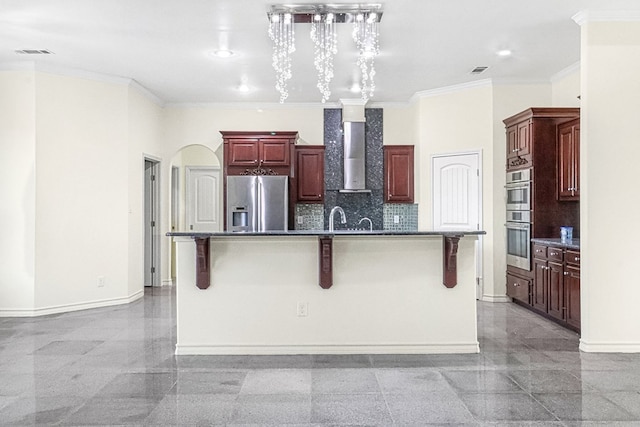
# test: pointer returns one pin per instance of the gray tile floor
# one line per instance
(115, 366)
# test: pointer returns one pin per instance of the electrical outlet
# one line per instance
(300, 219)
(396, 219)
(101, 281)
(303, 309)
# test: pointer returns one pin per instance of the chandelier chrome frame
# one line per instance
(364, 18)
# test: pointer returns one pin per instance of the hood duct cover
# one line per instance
(354, 158)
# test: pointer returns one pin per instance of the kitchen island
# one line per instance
(388, 292)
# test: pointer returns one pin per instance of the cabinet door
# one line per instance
(398, 169)
(243, 152)
(523, 145)
(540, 285)
(518, 288)
(512, 141)
(310, 173)
(274, 152)
(556, 290)
(572, 295)
(569, 161)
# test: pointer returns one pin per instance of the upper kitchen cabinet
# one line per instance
(259, 150)
(310, 173)
(531, 135)
(569, 160)
(398, 173)
(519, 144)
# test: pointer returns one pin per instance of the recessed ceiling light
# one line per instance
(504, 52)
(223, 53)
(243, 88)
(355, 88)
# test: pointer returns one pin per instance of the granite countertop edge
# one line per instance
(570, 244)
(322, 233)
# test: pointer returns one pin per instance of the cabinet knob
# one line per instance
(577, 258)
(554, 253)
(566, 273)
(516, 284)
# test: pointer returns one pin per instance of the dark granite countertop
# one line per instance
(326, 233)
(569, 244)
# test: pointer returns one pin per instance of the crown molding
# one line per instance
(571, 69)
(585, 16)
(146, 93)
(39, 67)
(450, 89)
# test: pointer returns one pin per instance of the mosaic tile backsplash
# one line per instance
(356, 205)
(309, 216)
(407, 217)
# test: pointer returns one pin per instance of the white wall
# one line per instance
(17, 186)
(81, 187)
(144, 140)
(609, 197)
(565, 87)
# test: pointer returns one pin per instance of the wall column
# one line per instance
(610, 198)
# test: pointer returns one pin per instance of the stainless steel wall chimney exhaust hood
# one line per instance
(354, 147)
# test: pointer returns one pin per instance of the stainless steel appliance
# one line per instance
(519, 244)
(518, 226)
(518, 190)
(257, 203)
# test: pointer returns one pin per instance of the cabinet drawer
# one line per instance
(573, 257)
(539, 251)
(555, 254)
(518, 288)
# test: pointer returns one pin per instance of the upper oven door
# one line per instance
(519, 196)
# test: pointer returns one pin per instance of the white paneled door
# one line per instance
(203, 199)
(457, 197)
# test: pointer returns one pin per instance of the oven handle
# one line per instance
(521, 226)
(518, 184)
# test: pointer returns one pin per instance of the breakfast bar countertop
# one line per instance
(325, 233)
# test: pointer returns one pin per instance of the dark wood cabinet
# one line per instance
(569, 160)
(540, 284)
(556, 283)
(572, 288)
(518, 288)
(258, 152)
(310, 173)
(398, 173)
(519, 144)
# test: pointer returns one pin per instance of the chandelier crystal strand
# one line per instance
(325, 40)
(365, 34)
(282, 35)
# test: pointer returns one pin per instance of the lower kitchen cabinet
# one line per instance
(572, 288)
(518, 288)
(555, 285)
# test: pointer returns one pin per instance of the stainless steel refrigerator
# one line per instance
(257, 203)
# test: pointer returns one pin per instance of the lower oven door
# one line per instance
(519, 245)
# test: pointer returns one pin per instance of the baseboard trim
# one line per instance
(293, 349)
(609, 347)
(66, 308)
(495, 298)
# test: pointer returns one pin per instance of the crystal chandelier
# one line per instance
(323, 19)
(365, 34)
(282, 35)
(325, 39)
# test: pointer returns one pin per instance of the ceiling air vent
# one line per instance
(479, 70)
(34, 52)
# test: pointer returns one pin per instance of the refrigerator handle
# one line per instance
(259, 206)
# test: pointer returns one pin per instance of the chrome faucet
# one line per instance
(343, 217)
(370, 223)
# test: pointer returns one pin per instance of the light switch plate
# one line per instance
(396, 219)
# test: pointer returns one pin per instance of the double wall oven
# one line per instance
(518, 195)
